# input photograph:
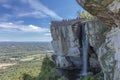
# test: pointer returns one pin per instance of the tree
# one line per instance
(86, 15)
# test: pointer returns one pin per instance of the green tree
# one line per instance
(86, 15)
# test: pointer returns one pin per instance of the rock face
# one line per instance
(68, 44)
(106, 10)
(109, 55)
(108, 51)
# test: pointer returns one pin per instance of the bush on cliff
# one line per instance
(48, 71)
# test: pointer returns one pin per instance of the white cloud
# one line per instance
(35, 14)
(30, 8)
(40, 7)
(39, 10)
(47, 34)
(7, 6)
(32, 28)
(18, 32)
(5, 26)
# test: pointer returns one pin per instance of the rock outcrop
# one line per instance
(68, 37)
(66, 43)
(106, 10)
(108, 51)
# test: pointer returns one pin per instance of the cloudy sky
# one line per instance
(29, 20)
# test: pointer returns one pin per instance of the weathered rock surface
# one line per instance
(108, 11)
(109, 55)
(96, 36)
(67, 43)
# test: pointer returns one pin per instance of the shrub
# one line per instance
(90, 76)
(48, 71)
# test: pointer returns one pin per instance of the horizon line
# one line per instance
(25, 41)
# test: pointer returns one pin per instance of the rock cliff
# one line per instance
(69, 44)
(108, 51)
(66, 43)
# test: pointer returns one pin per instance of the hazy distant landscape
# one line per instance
(18, 58)
(19, 51)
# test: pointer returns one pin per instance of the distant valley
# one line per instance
(17, 58)
(18, 51)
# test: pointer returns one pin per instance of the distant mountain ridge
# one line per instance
(6, 47)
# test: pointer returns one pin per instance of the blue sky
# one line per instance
(29, 20)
